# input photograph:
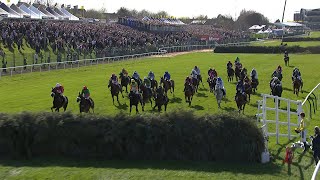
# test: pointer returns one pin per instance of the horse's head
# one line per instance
(79, 98)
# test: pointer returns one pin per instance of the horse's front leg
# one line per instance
(118, 99)
(113, 99)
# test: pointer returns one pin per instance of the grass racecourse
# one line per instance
(31, 92)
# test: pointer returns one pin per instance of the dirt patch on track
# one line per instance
(182, 53)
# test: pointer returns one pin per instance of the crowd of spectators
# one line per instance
(101, 38)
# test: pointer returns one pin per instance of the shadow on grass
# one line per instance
(229, 109)
(287, 89)
(175, 100)
(201, 95)
(122, 106)
(197, 107)
(202, 89)
(197, 166)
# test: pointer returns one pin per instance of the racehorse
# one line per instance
(125, 80)
(115, 89)
(277, 91)
(247, 88)
(58, 101)
(167, 85)
(161, 100)
(199, 77)
(219, 95)
(286, 60)
(188, 93)
(243, 74)
(135, 99)
(85, 104)
(237, 72)
(195, 83)
(146, 95)
(230, 73)
(212, 83)
(296, 86)
(254, 84)
(241, 102)
(154, 84)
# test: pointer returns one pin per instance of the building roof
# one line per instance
(289, 24)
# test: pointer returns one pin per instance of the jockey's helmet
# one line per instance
(150, 72)
(113, 75)
(196, 67)
(133, 81)
(219, 79)
(123, 69)
(58, 85)
(85, 87)
(166, 72)
(145, 78)
(302, 114)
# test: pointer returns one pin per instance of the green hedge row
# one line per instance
(178, 135)
(298, 39)
(266, 49)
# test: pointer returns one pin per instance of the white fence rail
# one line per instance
(313, 101)
(77, 63)
(262, 115)
(315, 172)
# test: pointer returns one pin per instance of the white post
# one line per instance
(264, 113)
(10, 72)
(303, 138)
(49, 66)
(277, 118)
(289, 123)
(40, 68)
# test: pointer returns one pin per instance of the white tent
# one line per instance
(28, 11)
(11, 13)
(71, 16)
(37, 12)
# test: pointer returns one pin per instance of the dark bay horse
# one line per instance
(241, 102)
(58, 101)
(230, 73)
(188, 93)
(161, 100)
(195, 83)
(247, 88)
(254, 84)
(154, 84)
(167, 85)
(146, 95)
(125, 80)
(237, 72)
(85, 104)
(212, 83)
(135, 99)
(297, 84)
(286, 60)
(243, 74)
(115, 90)
(199, 77)
(277, 91)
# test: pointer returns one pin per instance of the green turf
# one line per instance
(315, 34)
(31, 92)
(278, 42)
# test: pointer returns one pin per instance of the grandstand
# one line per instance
(310, 17)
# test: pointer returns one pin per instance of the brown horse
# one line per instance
(254, 84)
(247, 88)
(115, 90)
(167, 85)
(125, 80)
(212, 83)
(188, 93)
(296, 86)
(146, 95)
(154, 84)
(85, 104)
(230, 73)
(241, 102)
(286, 60)
(58, 101)
(237, 72)
(195, 83)
(161, 100)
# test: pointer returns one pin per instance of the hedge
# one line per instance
(179, 135)
(298, 39)
(266, 49)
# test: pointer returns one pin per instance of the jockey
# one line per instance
(160, 91)
(85, 92)
(296, 74)
(237, 60)
(59, 89)
(210, 71)
(286, 54)
(254, 74)
(134, 87)
(136, 76)
(213, 73)
(196, 68)
(274, 81)
(167, 76)
(188, 81)
(277, 71)
(194, 74)
(151, 75)
(240, 89)
(124, 72)
(114, 79)
(220, 85)
(147, 83)
(279, 68)
(229, 65)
